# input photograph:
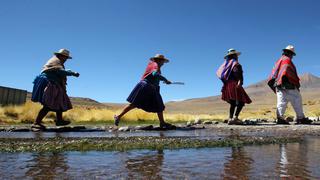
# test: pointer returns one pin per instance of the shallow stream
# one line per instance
(293, 160)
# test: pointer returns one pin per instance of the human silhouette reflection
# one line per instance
(145, 167)
(47, 166)
(161, 134)
(238, 165)
(293, 161)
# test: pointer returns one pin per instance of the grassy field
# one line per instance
(25, 114)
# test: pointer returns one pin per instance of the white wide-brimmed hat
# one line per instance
(232, 51)
(159, 57)
(64, 52)
(290, 48)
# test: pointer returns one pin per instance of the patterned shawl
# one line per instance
(53, 64)
(225, 69)
(152, 66)
(284, 67)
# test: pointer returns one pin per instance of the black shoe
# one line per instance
(304, 121)
(282, 121)
(62, 123)
(167, 126)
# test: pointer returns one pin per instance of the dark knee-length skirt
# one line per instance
(146, 96)
(230, 91)
(50, 94)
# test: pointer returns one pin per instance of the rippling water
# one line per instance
(202, 133)
(293, 161)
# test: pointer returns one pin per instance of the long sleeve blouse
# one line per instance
(58, 75)
(155, 78)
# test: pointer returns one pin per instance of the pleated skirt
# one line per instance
(146, 96)
(50, 94)
(230, 91)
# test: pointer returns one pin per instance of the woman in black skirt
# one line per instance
(146, 94)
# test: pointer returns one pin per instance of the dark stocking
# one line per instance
(232, 109)
(239, 108)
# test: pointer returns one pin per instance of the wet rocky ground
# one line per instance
(264, 127)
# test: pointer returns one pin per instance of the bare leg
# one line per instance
(161, 119)
(128, 108)
(42, 113)
(164, 124)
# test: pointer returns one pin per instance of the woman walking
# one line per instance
(50, 89)
(146, 94)
(231, 74)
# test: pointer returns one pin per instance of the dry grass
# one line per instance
(27, 113)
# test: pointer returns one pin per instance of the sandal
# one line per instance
(227, 120)
(38, 127)
(116, 120)
(235, 121)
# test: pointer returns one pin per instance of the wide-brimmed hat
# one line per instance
(159, 57)
(64, 52)
(290, 48)
(231, 52)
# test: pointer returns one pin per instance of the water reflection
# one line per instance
(238, 165)
(145, 167)
(285, 161)
(48, 166)
(293, 161)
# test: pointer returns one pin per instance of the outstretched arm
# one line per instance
(68, 73)
(162, 78)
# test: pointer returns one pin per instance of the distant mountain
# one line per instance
(80, 101)
(260, 93)
(309, 81)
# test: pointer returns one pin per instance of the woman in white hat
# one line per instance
(146, 94)
(50, 89)
(231, 74)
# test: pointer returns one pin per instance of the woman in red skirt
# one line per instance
(231, 74)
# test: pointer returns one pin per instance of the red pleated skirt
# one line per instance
(230, 91)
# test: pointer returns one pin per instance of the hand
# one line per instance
(239, 84)
(76, 74)
(168, 82)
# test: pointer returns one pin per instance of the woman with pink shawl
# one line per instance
(146, 95)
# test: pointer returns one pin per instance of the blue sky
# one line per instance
(112, 40)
